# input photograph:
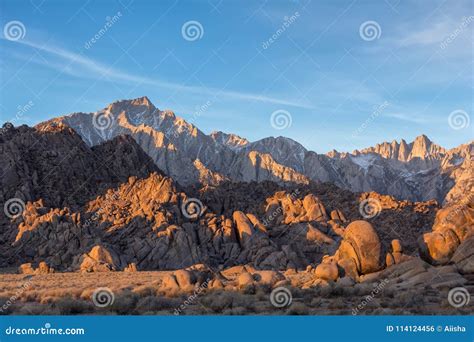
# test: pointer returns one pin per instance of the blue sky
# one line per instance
(342, 87)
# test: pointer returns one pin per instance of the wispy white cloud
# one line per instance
(97, 70)
(433, 34)
(414, 118)
(438, 30)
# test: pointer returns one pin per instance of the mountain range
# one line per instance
(416, 171)
(132, 188)
(109, 206)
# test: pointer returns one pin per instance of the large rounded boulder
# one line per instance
(453, 225)
(361, 243)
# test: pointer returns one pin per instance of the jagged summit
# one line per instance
(420, 170)
(333, 154)
(421, 148)
(231, 140)
(139, 101)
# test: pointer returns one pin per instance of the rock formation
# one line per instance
(111, 207)
(453, 226)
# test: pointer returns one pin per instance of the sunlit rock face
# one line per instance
(453, 227)
(417, 171)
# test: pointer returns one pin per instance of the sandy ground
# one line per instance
(140, 293)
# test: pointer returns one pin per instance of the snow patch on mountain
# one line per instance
(364, 160)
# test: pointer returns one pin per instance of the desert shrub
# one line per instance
(245, 301)
(315, 302)
(72, 306)
(235, 311)
(297, 309)
(263, 290)
(34, 309)
(250, 289)
(154, 303)
(144, 290)
(124, 303)
(218, 301)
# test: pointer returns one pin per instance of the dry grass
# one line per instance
(142, 293)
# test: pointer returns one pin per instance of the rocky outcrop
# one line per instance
(99, 259)
(52, 163)
(454, 224)
(42, 268)
(327, 271)
(359, 253)
(245, 229)
(396, 255)
(361, 248)
(463, 257)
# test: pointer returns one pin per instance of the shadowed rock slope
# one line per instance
(109, 208)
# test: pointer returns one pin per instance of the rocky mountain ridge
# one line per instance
(108, 207)
(420, 170)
